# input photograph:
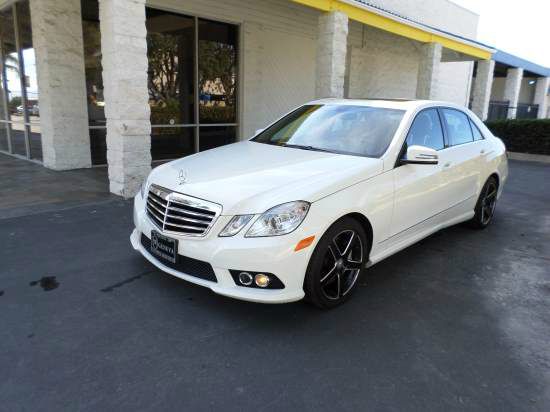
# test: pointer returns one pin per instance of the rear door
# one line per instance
(461, 170)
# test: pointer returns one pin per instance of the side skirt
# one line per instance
(418, 232)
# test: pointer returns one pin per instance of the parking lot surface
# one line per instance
(459, 321)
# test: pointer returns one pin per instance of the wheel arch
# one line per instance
(365, 223)
(497, 178)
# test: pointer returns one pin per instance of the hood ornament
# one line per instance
(182, 177)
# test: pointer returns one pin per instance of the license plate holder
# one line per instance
(164, 247)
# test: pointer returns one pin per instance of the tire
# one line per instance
(336, 264)
(485, 206)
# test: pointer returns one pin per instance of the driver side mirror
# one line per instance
(420, 155)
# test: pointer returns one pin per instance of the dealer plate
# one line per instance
(164, 247)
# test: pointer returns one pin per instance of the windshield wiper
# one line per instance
(305, 147)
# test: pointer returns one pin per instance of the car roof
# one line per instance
(402, 104)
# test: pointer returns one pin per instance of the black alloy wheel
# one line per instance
(336, 264)
(486, 204)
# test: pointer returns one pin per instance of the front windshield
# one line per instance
(346, 129)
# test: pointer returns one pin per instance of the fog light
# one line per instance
(261, 280)
(245, 278)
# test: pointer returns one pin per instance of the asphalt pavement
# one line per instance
(459, 321)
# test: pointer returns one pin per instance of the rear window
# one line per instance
(458, 127)
(475, 131)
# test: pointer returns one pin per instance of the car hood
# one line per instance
(249, 177)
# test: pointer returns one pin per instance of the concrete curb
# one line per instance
(529, 157)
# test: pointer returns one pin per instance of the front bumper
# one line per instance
(269, 254)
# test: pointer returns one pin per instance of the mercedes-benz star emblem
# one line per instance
(182, 176)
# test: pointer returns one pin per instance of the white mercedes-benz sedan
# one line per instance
(304, 207)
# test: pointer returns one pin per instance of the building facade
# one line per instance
(127, 83)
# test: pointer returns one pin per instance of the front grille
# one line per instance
(179, 213)
(184, 264)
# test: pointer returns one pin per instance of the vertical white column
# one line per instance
(124, 60)
(512, 87)
(541, 92)
(428, 71)
(482, 88)
(332, 38)
(57, 41)
(253, 103)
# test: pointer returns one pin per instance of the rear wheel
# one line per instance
(336, 264)
(485, 207)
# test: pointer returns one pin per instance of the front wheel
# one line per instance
(336, 264)
(485, 207)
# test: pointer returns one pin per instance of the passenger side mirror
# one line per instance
(420, 155)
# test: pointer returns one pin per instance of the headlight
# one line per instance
(235, 225)
(279, 220)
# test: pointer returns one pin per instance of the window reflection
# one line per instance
(170, 51)
(217, 72)
(19, 106)
(91, 36)
(172, 142)
(214, 136)
(172, 46)
(30, 79)
(13, 96)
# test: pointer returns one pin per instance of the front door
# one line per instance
(418, 187)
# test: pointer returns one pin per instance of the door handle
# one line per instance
(448, 164)
(482, 151)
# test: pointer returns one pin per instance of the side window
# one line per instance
(475, 131)
(426, 130)
(458, 127)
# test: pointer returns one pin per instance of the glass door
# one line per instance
(192, 83)
(171, 74)
(217, 81)
(19, 109)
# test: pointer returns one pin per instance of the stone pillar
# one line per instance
(541, 91)
(482, 88)
(511, 89)
(428, 71)
(332, 39)
(57, 41)
(253, 103)
(124, 60)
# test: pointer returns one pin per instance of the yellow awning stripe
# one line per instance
(370, 18)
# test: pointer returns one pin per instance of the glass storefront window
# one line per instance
(19, 109)
(172, 142)
(214, 136)
(185, 54)
(170, 52)
(30, 80)
(217, 72)
(94, 81)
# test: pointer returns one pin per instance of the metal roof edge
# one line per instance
(423, 26)
(515, 61)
